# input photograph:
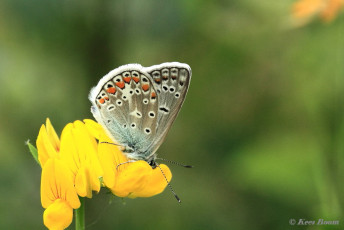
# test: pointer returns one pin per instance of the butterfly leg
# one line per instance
(131, 161)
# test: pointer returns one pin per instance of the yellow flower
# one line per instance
(70, 167)
(305, 10)
(134, 179)
(77, 149)
(73, 166)
(58, 194)
(331, 10)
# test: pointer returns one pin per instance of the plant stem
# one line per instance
(80, 215)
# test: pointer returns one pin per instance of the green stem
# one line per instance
(80, 215)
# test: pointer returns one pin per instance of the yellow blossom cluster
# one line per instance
(304, 11)
(78, 164)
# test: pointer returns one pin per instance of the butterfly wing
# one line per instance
(125, 103)
(171, 82)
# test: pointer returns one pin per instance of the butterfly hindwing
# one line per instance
(126, 104)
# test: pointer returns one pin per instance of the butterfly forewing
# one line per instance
(171, 81)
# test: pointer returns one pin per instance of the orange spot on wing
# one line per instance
(157, 80)
(165, 77)
(136, 79)
(145, 87)
(127, 79)
(120, 84)
(174, 77)
(106, 98)
(101, 101)
(153, 94)
(111, 90)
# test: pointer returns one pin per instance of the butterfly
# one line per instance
(137, 105)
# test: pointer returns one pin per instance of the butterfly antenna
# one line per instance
(176, 163)
(168, 183)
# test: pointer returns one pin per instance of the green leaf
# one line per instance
(33, 151)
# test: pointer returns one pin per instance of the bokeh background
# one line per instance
(262, 122)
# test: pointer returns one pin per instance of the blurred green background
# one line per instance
(262, 122)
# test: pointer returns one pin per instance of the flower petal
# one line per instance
(331, 10)
(59, 215)
(79, 151)
(109, 157)
(68, 151)
(132, 179)
(54, 138)
(307, 8)
(45, 147)
(87, 147)
(94, 128)
(57, 183)
(156, 182)
(82, 183)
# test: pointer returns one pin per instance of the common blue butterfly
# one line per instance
(137, 105)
